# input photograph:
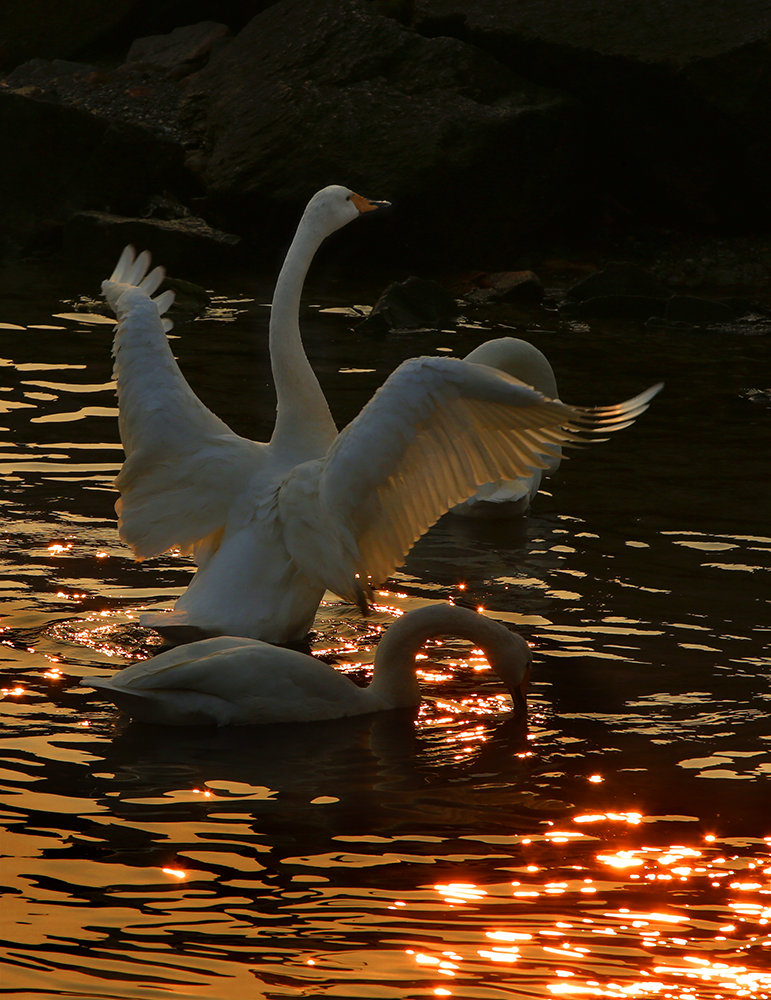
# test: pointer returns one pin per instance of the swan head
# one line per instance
(335, 206)
(512, 660)
(394, 679)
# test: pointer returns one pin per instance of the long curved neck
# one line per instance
(394, 682)
(304, 426)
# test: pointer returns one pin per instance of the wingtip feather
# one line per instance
(125, 262)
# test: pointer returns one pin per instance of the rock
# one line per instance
(677, 94)
(734, 265)
(189, 299)
(492, 127)
(688, 309)
(506, 286)
(58, 159)
(188, 245)
(517, 286)
(47, 76)
(749, 310)
(698, 311)
(617, 280)
(312, 93)
(630, 308)
(413, 304)
(49, 28)
(759, 397)
(130, 94)
(182, 51)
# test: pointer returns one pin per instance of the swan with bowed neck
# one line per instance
(512, 497)
(273, 526)
(228, 681)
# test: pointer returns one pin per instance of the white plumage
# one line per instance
(512, 497)
(272, 526)
(236, 681)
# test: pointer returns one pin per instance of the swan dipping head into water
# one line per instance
(228, 681)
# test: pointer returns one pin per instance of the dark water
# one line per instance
(618, 847)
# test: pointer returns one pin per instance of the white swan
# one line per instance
(272, 526)
(229, 681)
(507, 497)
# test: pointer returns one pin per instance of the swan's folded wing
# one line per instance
(433, 433)
(186, 665)
(185, 470)
(235, 670)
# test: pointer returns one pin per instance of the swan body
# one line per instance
(273, 526)
(228, 680)
(512, 497)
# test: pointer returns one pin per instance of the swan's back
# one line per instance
(520, 359)
(228, 680)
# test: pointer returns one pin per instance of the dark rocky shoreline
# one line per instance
(505, 135)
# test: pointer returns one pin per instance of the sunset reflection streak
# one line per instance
(682, 922)
(443, 855)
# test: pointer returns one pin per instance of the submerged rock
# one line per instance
(506, 286)
(637, 308)
(187, 244)
(618, 280)
(413, 304)
(619, 291)
(697, 311)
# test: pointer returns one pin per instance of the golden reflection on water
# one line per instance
(673, 943)
(589, 902)
(178, 873)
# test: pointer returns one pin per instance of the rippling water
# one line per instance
(619, 846)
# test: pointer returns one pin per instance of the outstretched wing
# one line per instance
(432, 434)
(185, 470)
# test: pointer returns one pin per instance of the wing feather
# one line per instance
(185, 470)
(433, 433)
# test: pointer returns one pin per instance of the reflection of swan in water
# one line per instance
(273, 526)
(310, 783)
(232, 681)
(506, 497)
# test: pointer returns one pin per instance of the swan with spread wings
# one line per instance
(272, 526)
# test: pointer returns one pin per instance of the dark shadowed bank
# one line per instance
(497, 129)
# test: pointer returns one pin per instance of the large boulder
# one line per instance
(180, 52)
(185, 244)
(495, 128)
(53, 29)
(678, 94)
(57, 159)
(313, 93)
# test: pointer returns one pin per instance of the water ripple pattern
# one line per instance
(618, 845)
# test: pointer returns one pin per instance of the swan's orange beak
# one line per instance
(365, 205)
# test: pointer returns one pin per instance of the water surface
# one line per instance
(617, 846)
